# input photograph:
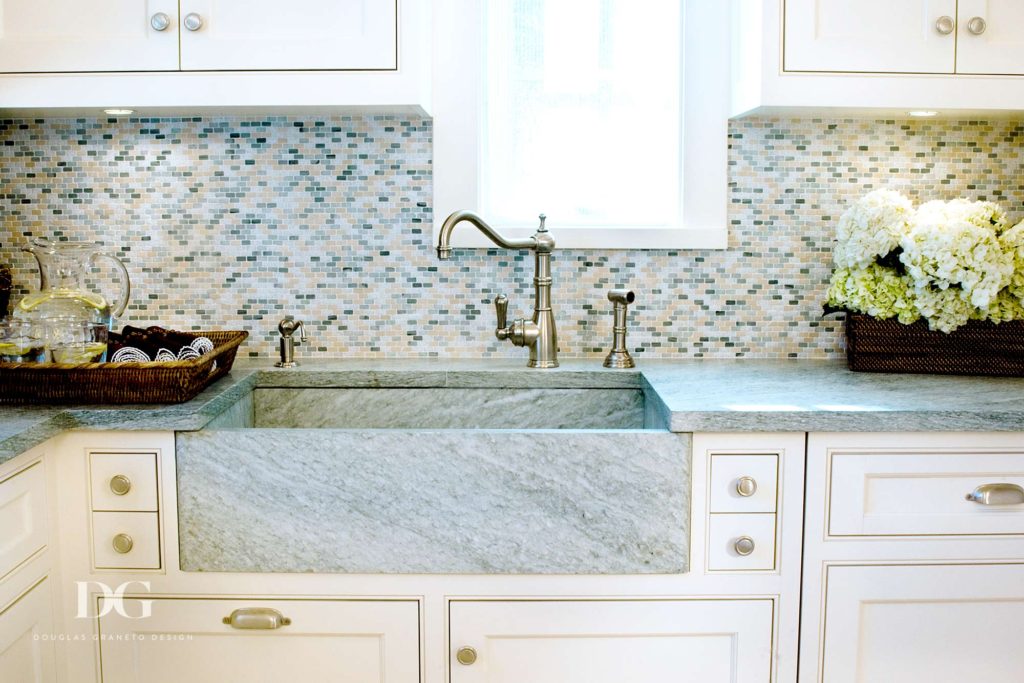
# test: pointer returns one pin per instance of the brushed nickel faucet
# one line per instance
(539, 333)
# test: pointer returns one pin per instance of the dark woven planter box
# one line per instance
(5, 290)
(977, 348)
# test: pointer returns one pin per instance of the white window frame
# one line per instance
(458, 106)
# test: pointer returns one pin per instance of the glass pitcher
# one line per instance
(62, 291)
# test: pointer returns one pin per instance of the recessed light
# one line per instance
(119, 112)
(923, 113)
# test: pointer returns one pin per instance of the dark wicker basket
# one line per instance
(5, 290)
(978, 348)
(109, 383)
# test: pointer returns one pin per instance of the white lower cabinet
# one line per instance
(924, 623)
(197, 640)
(26, 644)
(611, 641)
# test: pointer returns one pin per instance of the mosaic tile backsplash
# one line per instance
(233, 222)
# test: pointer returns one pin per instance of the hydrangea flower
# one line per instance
(945, 309)
(876, 291)
(1006, 307)
(988, 215)
(871, 228)
(955, 255)
(1012, 242)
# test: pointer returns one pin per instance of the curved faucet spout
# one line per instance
(444, 248)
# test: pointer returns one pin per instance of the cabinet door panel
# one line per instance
(26, 645)
(657, 641)
(69, 35)
(22, 517)
(935, 623)
(868, 36)
(1000, 48)
(327, 640)
(267, 34)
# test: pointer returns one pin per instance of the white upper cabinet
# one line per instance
(69, 35)
(251, 35)
(872, 57)
(880, 36)
(991, 39)
(183, 55)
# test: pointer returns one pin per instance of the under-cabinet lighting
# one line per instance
(923, 113)
(119, 112)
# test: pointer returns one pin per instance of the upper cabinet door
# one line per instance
(250, 35)
(39, 36)
(991, 39)
(871, 36)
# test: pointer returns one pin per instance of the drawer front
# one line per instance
(608, 641)
(326, 640)
(727, 535)
(123, 481)
(141, 551)
(27, 653)
(22, 517)
(903, 494)
(744, 483)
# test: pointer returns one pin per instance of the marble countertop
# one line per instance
(691, 396)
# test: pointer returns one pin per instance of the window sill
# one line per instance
(603, 238)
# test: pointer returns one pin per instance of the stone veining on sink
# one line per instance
(397, 501)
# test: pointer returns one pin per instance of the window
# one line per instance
(610, 116)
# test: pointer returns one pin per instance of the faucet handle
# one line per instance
(501, 308)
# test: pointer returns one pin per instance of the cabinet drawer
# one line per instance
(22, 517)
(136, 535)
(724, 542)
(326, 640)
(123, 481)
(934, 623)
(900, 494)
(744, 483)
(608, 641)
(27, 653)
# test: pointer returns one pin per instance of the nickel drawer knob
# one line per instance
(193, 22)
(123, 544)
(465, 656)
(120, 485)
(945, 25)
(746, 486)
(160, 21)
(744, 545)
(977, 26)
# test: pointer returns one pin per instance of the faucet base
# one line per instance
(619, 360)
(542, 364)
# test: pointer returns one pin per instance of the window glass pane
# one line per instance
(582, 111)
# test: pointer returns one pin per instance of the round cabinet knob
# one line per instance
(193, 22)
(746, 486)
(945, 25)
(465, 656)
(123, 543)
(977, 25)
(744, 545)
(160, 21)
(120, 484)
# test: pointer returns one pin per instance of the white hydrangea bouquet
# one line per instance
(937, 268)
